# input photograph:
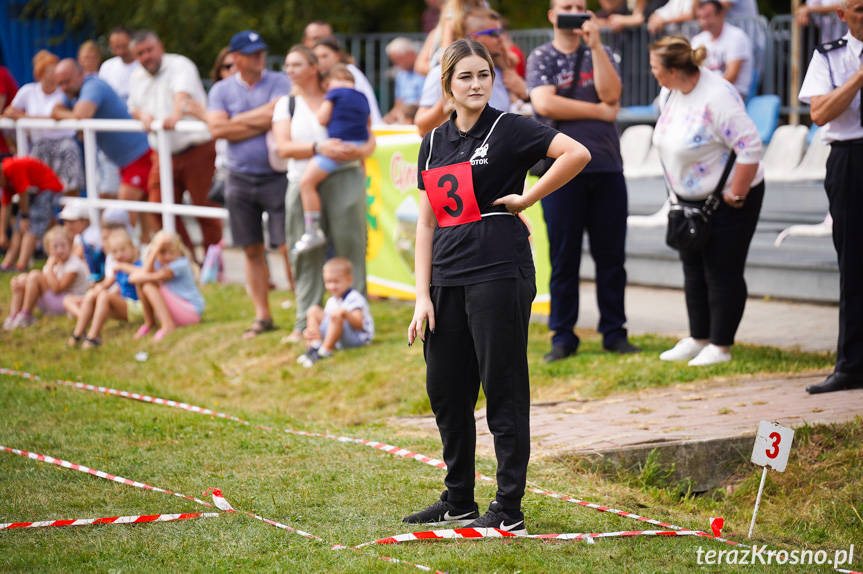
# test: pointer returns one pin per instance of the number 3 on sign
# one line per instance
(772, 446)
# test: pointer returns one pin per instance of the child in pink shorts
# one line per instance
(64, 274)
(167, 288)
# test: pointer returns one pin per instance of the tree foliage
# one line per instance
(198, 29)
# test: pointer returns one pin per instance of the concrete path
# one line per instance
(681, 412)
(765, 322)
(688, 411)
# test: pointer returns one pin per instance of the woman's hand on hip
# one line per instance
(424, 311)
(514, 203)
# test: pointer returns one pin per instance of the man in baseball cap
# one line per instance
(240, 108)
(247, 42)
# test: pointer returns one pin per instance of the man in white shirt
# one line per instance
(833, 87)
(162, 88)
(667, 17)
(116, 72)
(729, 49)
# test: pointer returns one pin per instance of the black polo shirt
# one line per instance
(495, 247)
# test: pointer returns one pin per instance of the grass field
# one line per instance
(348, 493)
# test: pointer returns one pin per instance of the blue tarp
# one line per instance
(21, 38)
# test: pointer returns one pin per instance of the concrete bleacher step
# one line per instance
(786, 202)
(802, 268)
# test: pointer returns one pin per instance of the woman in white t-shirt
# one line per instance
(702, 121)
(57, 148)
(298, 137)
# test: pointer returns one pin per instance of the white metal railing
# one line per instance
(89, 127)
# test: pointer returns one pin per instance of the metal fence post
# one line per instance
(166, 175)
(91, 176)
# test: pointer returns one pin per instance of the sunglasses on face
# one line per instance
(493, 32)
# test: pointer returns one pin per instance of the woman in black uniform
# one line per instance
(475, 281)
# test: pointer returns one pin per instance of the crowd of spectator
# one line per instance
(304, 125)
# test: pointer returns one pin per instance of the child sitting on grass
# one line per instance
(113, 297)
(36, 187)
(64, 275)
(167, 288)
(86, 240)
(345, 112)
(346, 320)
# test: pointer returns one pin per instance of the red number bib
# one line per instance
(450, 192)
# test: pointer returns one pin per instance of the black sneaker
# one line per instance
(443, 512)
(558, 353)
(497, 518)
(622, 347)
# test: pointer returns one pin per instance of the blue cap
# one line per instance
(247, 42)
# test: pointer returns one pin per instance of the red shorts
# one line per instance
(137, 172)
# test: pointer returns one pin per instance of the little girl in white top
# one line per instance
(64, 274)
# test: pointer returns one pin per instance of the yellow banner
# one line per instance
(392, 213)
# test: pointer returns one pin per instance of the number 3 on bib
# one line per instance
(451, 195)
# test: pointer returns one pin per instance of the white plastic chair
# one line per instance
(635, 143)
(650, 167)
(658, 219)
(813, 166)
(823, 229)
(784, 151)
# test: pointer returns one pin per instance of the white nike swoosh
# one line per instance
(507, 527)
(448, 516)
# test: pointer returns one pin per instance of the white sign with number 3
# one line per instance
(772, 446)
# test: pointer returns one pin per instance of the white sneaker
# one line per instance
(710, 355)
(24, 320)
(684, 350)
(309, 241)
(9, 323)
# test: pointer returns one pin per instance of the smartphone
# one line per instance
(572, 21)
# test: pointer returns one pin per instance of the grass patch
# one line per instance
(348, 493)
(210, 364)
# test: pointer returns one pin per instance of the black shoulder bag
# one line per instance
(689, 221)
(544, 164)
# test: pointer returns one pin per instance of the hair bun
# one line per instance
(699, 54)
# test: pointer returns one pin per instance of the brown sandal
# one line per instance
(259, 326)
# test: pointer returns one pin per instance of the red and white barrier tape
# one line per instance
(126, 395)
(218, 500)
(390, 449)
(111, 520)
(98, 473)
(496, 533)
(716, 523)
(223, 504)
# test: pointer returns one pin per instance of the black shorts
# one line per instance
(247, 197)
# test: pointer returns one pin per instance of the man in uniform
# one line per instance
(832, 87)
